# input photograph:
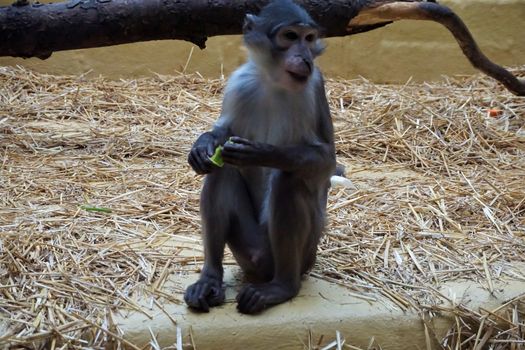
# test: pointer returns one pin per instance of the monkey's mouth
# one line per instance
(298, 77)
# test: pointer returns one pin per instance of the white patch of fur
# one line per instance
(258, 110)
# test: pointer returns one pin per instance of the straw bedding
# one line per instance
(98, 205)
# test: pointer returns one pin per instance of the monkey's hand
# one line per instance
(243, 152)
(201, 151)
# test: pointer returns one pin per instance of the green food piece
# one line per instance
(95, 209)
(217, 157)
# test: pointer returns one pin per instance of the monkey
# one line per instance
(268, 202)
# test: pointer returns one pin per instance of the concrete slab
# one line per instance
(317, 313)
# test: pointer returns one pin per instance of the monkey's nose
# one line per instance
(299, 68)
(308, 64)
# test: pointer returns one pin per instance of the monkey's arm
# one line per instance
(204, 148)
(308, 160)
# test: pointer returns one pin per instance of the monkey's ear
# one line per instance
(255, 37)
(318, 48)
(250, 21)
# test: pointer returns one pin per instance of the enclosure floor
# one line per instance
(322, 314)
(99, 216)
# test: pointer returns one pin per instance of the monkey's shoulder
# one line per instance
(244, 81)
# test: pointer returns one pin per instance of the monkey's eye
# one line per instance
(292, 36)
(310, 38)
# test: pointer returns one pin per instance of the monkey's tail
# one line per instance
(380, 11)
(339, 179)
(340, 170)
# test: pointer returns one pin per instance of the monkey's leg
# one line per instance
(294, 227)
(382, 11)
(207, 291)
(227, 218)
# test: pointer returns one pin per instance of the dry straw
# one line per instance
(98, 206)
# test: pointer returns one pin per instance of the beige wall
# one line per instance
(410, 48)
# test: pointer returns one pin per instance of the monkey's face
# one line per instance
(284, 52)
(294, 50)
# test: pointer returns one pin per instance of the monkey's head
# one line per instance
(283, 41)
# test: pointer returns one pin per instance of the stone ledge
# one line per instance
(320, 310)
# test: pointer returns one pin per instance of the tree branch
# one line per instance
(39, 30)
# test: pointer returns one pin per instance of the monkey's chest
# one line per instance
(276, 125)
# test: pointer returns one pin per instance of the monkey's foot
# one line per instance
(256, 297)
(204, 293)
